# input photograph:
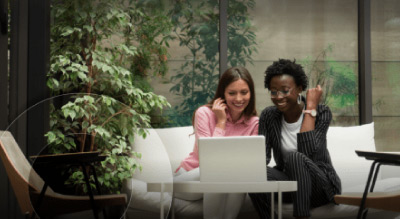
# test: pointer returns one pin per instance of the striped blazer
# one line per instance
(312, 144)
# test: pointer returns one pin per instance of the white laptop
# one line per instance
(232, 159)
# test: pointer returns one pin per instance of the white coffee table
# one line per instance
(223, 187)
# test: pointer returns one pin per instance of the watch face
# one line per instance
(313, 113)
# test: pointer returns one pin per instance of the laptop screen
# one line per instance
(232, 159)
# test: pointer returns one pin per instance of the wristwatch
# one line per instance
(312, 112)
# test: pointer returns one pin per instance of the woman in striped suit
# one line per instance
(295, 130)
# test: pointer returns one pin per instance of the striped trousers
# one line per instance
(311, 187)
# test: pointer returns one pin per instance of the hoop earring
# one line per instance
(299, 99)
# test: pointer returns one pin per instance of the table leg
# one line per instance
(375, 176)
(173, 206)
(272, 206)
(279, 204)
(371, 189)
(89, 190)
(367, 186)
(97, 185)
(161, 202)
(96, 181)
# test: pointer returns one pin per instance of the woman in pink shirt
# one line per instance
(231, 112)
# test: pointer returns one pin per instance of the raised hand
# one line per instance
(313, 97)
(218, 108)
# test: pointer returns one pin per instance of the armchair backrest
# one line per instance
(20, 173)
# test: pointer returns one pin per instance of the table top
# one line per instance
(69, 157)
(380, 156)
(222, 187)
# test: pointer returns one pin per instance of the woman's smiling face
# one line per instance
(237, 97)
(284, 92)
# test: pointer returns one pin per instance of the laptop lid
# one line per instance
(232, 159)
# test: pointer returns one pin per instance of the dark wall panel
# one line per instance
(38, 66)
(3, 102)
(3, 66)
(18, 85)
(223, 36)
(364, 61)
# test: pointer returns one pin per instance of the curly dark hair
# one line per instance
(287, 67)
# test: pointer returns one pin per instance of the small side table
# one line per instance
(379, 158)
(83, 159)
(223, 187)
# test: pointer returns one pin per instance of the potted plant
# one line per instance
(101, 52)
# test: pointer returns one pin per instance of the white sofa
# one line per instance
(163, 149)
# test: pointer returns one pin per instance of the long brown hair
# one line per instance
(231, 75)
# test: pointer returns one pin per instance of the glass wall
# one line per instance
(177, 51)
(322, 36)
(385, 46)
(319, 34)
(192, 61)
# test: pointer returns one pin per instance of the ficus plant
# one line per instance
(196, 26)
(102, 51)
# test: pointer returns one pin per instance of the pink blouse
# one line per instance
(205, 126)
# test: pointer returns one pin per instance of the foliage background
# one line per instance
(196, 27)
(338, 80)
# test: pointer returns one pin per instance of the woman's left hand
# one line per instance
(313, 97)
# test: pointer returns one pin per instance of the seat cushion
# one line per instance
(332, 211)
(178, 142)
(155, 160)
(342, 143)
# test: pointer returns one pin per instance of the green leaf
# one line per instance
(82, 76)
(72, 114)
(51, 137)
(67, 31)
(107, 176)
(131, 139)
(85, 124)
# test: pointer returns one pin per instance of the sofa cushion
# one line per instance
(156, 149)
(143, 200)
(178, 142)
(156, 168)
(333, 211)
(342, 143)
(155, 160)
